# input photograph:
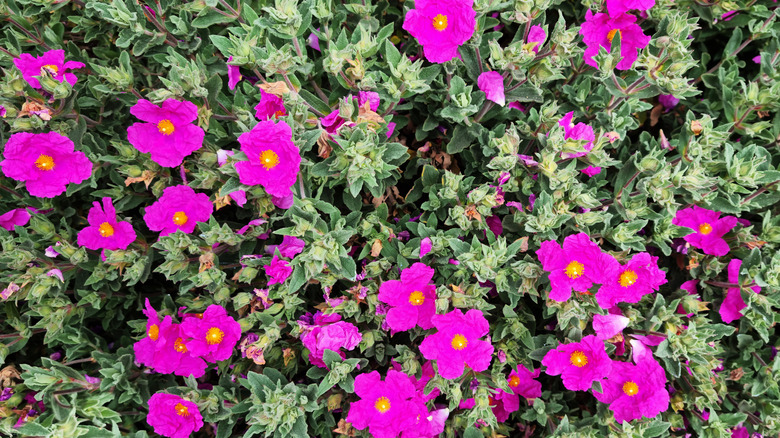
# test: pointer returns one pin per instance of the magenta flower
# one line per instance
(164, 348)
(385, 407)
(329, 333)
(598, 31)
(456, 343)
(270, 107)
(234, 74)
(17, 216)
(179, 208)
(579, 363)
(52, 62)
(635, 391)
(425, 246)
(637, 278)
(607, 326)
(332, 122)
(576, 266)
(290, 247)
(668, 101)
(104, 232)
(274, 161)
(709, 229)
(536, 35)
(492, 84)
(578, 132)
(441, 26)
(591, 171)
(413, 298)
(731, 309)
(212, 336)
(173, 416)
(3, 111)
(47, 162)
(278, 270)
(522, 382)
(372, 97)
(503, 403)
(168, 133)
(617, 7)
(428, 426)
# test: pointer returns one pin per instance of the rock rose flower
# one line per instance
(598, 31)
(630, 282)
(168, 132)
(173, 416)
(457, 343)
(413, 298)
(709, 229)
(52, 62)
(179, 208)
(274, 161)
(635, 391)
(441, 26)
(492, 84)
(104, 231)
(579, 363)
(385, 407)
(46, 162)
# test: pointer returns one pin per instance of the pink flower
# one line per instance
(385, 407)
(492, 84)
(239, 196)
(222, 156)
(598, 31)
(617, 7)
(234, 74)
(518, 106)
(278, 270)
(607, 326)
(329, 333)
(579, 363)
(576, 266)
(740, 432)
(3, 110)
(428, 426)
(290, 247)
(522, 382)
(591, 171)
(709, 229)
(332, 122)
(456, 343)
(17, 216)
(274, 161)
(314, 41)
(173, 416)
(630, 282)
(425, 246)
(164, 348)
(503, 403)
(536, 35)
(668, 101)
(47, 162)
(213, 336)
(495, 225)
(635, 391)
(731, 309)
(10, 290)
(167, 132)
(270, 106)
(441, 26)
(52, 62)
(578, 132)
(104, 232)
(413, 298)
(179, 208)
(372, 97)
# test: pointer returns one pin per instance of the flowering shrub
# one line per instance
(431, 218)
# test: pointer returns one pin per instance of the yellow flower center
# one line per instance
(578, 359)
(181, 410)
(153, 332)
(106, 230)
(627, 278)
(180, 218)
(514, 381)
(278, 114)
(51, 68)
(179, 345)
(611, 34)
(214, 336)
(416, 298)
(630, 388)
(575, 269)
(44, 162)
(269, 159)
(705, 228)
(382, 404)
(440, 22)
(459, 342)
(165, 127)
